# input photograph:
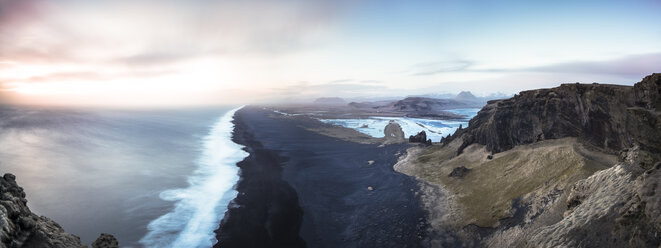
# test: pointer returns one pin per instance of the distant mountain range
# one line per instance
(459, 99)
(422, 106)
(413, 106)
(466, 95)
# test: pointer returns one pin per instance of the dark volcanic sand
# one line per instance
(290, 168)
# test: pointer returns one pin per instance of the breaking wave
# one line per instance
(200, 207)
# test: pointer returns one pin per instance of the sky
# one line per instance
(202, 52)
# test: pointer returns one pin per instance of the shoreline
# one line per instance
(273, 218)
(300, 188)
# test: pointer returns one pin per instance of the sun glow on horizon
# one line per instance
(201, 81)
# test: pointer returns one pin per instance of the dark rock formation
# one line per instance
(393, 133)
(421, 137)
(610, 117)
(459, 172)
(105, 241)
(21, 227)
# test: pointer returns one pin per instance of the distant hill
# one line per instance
(330, 101)
(423, 104)
(436, 95)
(466, 96)
(418, 107)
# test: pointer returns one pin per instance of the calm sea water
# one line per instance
(153, 178)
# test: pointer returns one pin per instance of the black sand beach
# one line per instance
(299, 188)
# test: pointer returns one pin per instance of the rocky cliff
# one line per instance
(572, 166)
(610, 117)
(616, 207)
(22, 228)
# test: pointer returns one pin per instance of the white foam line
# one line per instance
(200, 207)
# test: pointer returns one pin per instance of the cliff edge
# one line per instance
(22, 228)
(571, 166)
(609, 117)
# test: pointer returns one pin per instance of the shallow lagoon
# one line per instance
(435, 129)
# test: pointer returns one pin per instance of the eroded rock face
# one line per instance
(617, 207)
(105, 241)
(21, 227)
(610, 117)
(648, 92)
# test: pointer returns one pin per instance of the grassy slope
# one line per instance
(485, 194)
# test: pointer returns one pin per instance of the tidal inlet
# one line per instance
(290, 123)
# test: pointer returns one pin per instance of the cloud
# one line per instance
(86, 76)
(150, 31)
(209, 45)
(60, 76)
(341, 81)
(257, 45)
(306, 90)
(433, 68)
(633, 65)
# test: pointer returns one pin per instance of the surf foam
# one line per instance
(200, 207)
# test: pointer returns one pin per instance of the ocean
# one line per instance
(154, 178)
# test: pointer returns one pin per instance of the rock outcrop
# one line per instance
(105, 241)
(421, 137)
(393, 133)
(459, 172)
(610, 117)
(22, 228)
